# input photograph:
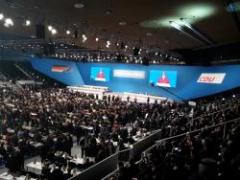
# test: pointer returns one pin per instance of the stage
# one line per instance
(100, 92)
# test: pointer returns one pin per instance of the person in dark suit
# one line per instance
(78, 132)
(69, 144)
(57, 174)
(46, 170)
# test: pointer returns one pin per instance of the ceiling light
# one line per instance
(28, 23)
(54, 31)
(108, 43)
(149, 34)
(68, 32)
(186, 24)
(194, 12)
(1, 16)
(159, 22)
(122, 23)
(8, 22)
(191, 35)
(84, 38)
(108, 12)
(175, 25)
(50, 28)
(197, 10)
(6, 25)
(97, 39)
(79, 5)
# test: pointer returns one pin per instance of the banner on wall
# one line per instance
(100, 74)
(211, 78)
(163, 78)
(120, 73)
(60, 68)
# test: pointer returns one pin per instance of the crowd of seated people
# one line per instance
(209, 153)
(59, 171)
(44, 121)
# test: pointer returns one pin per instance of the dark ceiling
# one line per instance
(101, 18)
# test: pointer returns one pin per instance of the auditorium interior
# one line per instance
(119, 90)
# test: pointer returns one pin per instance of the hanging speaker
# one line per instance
(49, 49)
(76, 34)
(122, 45)
(40, 31)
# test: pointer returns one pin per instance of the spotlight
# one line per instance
(97, 39)
(185, 23)
(189, 26)
(8, 22)
(68, 32)
(175, 25)
(108, 44)
(6, 25)
(50, 28)
(54, 31)
(84, 38)
(28, 23)
(1, 16)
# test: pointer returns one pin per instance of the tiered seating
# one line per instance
(35, 75)
(10, 71)
(207, 150)
(23, 71)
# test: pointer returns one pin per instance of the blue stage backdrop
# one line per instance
(175, 82)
